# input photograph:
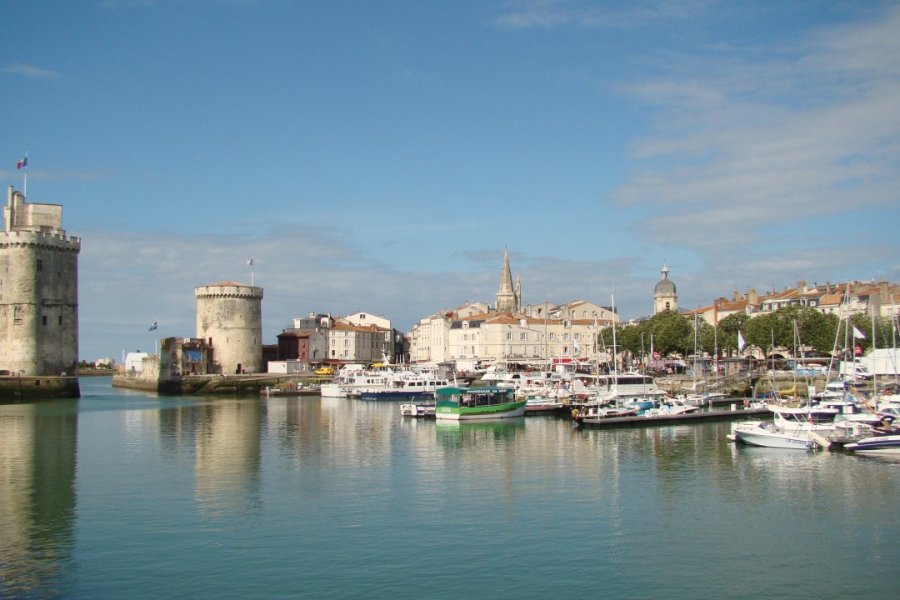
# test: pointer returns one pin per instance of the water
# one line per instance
(129, 495)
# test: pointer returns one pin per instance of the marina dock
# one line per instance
(695, 417)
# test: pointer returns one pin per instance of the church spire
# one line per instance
(506, 295)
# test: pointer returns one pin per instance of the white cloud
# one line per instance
(527, 14)
(727, 164)
(30, 71)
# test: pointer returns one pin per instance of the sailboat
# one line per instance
(626, 394)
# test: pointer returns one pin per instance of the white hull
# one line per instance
(756, 433)
(332, 390)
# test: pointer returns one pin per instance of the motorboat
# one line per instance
(879, 444)
(767, 435)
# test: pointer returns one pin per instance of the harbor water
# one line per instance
(129, 495)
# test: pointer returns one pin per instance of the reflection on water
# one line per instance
(37, 496)
(228, 459)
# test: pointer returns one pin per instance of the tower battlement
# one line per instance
(38, 290)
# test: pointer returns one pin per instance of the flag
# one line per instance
(250, 262)
(857, 334)
(741, 342)
(154, 327)
(22, 163)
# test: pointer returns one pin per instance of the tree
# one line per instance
(672, 333)
(729, 328)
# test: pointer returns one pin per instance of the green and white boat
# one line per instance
(470, 404)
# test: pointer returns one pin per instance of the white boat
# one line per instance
(879, 444)
(670, 408)
(406, 385)
(803, 418)
(767, 435)
(417, 409)
(351, 384)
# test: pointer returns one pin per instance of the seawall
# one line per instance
(14, 390)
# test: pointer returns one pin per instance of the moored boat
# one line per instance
(467, 404)
(767, 435)
(879, 444)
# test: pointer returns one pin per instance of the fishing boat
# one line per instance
(879, 444)
(468, 404)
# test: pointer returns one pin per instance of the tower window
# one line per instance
(44, 320)
(60, 320)
(40, 265)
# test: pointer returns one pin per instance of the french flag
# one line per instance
(22, 163)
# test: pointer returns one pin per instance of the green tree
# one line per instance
(672, 333)
(729, 328)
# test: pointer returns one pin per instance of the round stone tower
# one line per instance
(229, 318)
(664, 294)
(38, 291)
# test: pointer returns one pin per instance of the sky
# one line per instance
(380, 156)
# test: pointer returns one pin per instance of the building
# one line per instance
(38, 291)
(665, 297)
(185, 356)
(229, 319)
(510, 332)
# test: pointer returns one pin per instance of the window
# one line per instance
(40, 265)
(509, 335)
(523, 336)
(44, 320)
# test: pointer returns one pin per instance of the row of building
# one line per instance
(39, 317)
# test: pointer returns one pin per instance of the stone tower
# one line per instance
(664, 294)
(38, 291)
(507, 297)
(229, 318)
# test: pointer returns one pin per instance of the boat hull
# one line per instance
(758, 436)
(478, 413)
(884, 444)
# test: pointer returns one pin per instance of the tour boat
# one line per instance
(467, 404)
(407, 385)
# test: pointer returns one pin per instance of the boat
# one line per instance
(671, 407)
(879, 444)
(767, 435)
(406, 385)
(474, 403)
(420, 410)
(351, 382)
(298, 390)
(544, 404)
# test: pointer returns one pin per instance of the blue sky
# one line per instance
(379, 156)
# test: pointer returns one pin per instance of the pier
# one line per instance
(695, 417)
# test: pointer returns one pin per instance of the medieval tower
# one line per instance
(38, 291)
(664, 295)
(509, 298)
(229, 319)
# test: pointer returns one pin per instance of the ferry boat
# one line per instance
(469, 404)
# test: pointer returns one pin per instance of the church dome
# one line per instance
(665, 287)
